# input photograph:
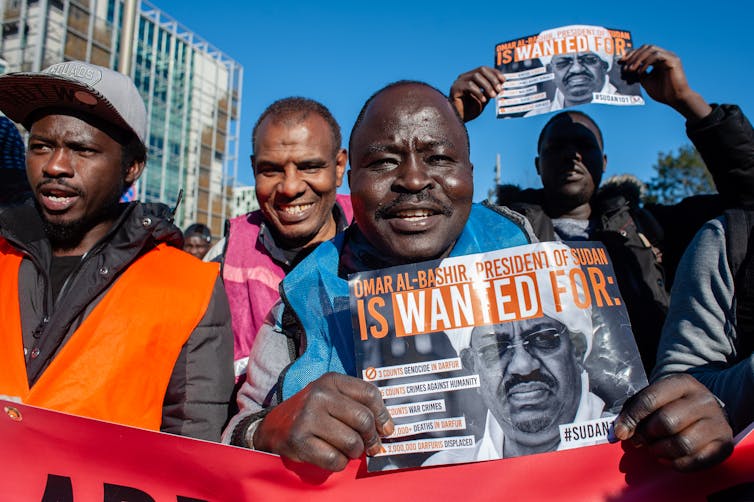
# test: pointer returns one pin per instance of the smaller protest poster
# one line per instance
(564, 67)
(495, 355)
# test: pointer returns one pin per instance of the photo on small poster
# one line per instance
(564, 67)
(493, 355)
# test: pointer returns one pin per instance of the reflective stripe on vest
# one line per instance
(116, 366)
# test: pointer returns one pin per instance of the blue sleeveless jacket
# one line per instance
(320, 300)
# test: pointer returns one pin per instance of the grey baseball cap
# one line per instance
(96, 90)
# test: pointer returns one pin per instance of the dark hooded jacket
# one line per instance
(634, 235)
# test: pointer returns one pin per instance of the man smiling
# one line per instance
(411, 185)
(298, 165)
(101, 314)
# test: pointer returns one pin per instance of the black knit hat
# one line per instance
(198, 229)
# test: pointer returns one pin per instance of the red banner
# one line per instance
(49, 456)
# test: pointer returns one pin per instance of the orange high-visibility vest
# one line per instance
(116, 366)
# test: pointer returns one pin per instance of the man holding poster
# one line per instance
(411, 185)
(572, 204)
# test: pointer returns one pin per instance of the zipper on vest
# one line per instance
(40, 329)
(75, 271)
(37, 336)
(67, 281)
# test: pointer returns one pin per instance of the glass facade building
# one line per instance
(244, 200)
(191, 89)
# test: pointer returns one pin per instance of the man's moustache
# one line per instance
(579, 74)
(403, 198)
(58, 182)
(535, 376)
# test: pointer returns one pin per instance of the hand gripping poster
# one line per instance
(564, 67)
(480, 357)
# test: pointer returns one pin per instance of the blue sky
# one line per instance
(339, 53)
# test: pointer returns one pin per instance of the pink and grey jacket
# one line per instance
(251, 280)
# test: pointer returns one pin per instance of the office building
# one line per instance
(244, 200)
(192, 90)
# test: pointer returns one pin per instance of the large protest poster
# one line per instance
(564, 67)
(49, 456)
(494, 355)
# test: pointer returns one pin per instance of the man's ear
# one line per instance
(604, 162)
(253, 169)
(467, 359)
(341, 159)
(536, 165)
(133, 172)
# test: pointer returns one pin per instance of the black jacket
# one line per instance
(196, 401)
(725, 140)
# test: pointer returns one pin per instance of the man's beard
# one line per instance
(68, 235)
(533, 425)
